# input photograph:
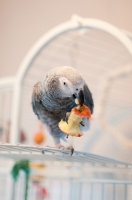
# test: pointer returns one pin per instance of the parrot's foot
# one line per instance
(82, 123)
(67, 117)
(59, 146)
(71, 148)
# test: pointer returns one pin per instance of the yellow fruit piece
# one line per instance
(76, 101)
(72, 127)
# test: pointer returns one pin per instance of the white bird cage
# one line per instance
(103, 55)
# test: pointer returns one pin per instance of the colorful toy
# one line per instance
(37, 177)
(27, 167)
(71, 126)
(39, 136)
(21, 165)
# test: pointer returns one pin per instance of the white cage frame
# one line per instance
(78, 170)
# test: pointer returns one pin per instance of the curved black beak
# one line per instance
(80, 97)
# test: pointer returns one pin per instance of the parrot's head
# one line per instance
(69, 88)
(65, 82)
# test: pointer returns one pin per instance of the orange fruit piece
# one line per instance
(82, 111)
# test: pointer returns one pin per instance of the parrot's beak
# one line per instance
(80, 97)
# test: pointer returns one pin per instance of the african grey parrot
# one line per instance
(53, 97)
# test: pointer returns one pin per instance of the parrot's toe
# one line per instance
(71, 149)
(67, 136)
(61, 147)
(82, 123)
(65, 119)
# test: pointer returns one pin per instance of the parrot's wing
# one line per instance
(88, 98)
(36, 98)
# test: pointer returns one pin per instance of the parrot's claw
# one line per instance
(65, 119)
(72, 150)
(82, 123)
(67, 136)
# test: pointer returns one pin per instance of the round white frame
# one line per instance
(75, 23)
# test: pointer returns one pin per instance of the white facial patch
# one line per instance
(66, 86)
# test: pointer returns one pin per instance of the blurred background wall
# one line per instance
(22, 22)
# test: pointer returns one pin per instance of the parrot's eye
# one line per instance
(64, 83)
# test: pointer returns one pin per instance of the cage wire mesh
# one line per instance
(82, 176)
(76, 189)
